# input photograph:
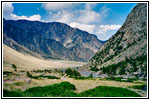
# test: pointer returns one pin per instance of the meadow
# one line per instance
(65, 89)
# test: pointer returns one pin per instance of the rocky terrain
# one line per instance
(125, 53)
(50, 40)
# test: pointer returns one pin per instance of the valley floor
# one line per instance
(18, 81)
(18, 69)
(28, 62)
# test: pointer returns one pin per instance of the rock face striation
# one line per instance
(50, 40)
(125, 53)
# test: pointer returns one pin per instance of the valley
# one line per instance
(53, 72)
(27, 62)
(53, 59)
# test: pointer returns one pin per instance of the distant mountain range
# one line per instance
(125, 53)
(50, 40)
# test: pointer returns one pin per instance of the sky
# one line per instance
(101, 19)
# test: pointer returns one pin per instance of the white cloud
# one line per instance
(32, 18)
(89, 6)
(110, 27)
(7, 9)
(85, 27)
(63, 16)
(88, 16)
(8, 13)
(104, 28)
(56, 6)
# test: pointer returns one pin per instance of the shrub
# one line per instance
(29, 75)
(71, 72)
(41, 76)
(14, 67)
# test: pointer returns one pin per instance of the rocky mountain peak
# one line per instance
(126, 52)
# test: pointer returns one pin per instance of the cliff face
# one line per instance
(51, 40)
(125, 53)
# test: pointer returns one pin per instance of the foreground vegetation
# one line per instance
(65, 89)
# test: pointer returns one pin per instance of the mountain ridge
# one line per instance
(52, 40)
(125, 53)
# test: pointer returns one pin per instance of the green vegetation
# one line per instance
(82, 77)
(7, 93)
(137, 86)
(19, 83)
(105, 91)
(41, 76)
(65, 89)
(94, 68)
(121, 67)
(14, 67)
(112, 43)
(112, 69)
(72, 72)
(6, 73)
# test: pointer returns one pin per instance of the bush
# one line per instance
(94, 69)
(41, 76)
(29, 75)
(7, 72)
(14, 67)
(71, 72)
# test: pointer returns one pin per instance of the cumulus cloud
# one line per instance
(104, 28)
(32, 18)
(8, 13)
(63, 16)
(88, 16)
(89, 6)
(85, 27)
(56, 6)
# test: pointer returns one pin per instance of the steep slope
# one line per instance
(23, 61)
(125, 53)
(52, 40)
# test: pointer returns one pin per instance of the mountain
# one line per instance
(125, 53)
(50, 40)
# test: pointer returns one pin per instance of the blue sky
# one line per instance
(101, 19)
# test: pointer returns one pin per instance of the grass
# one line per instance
(105, 91)
(41, 76)
(137, 87)
(19, 83)
(65, 89)
(7, 93)
(82, 77)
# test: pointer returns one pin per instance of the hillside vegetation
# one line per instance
(65, 89)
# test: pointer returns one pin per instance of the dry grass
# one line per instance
(29, 62)
(81, 85)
